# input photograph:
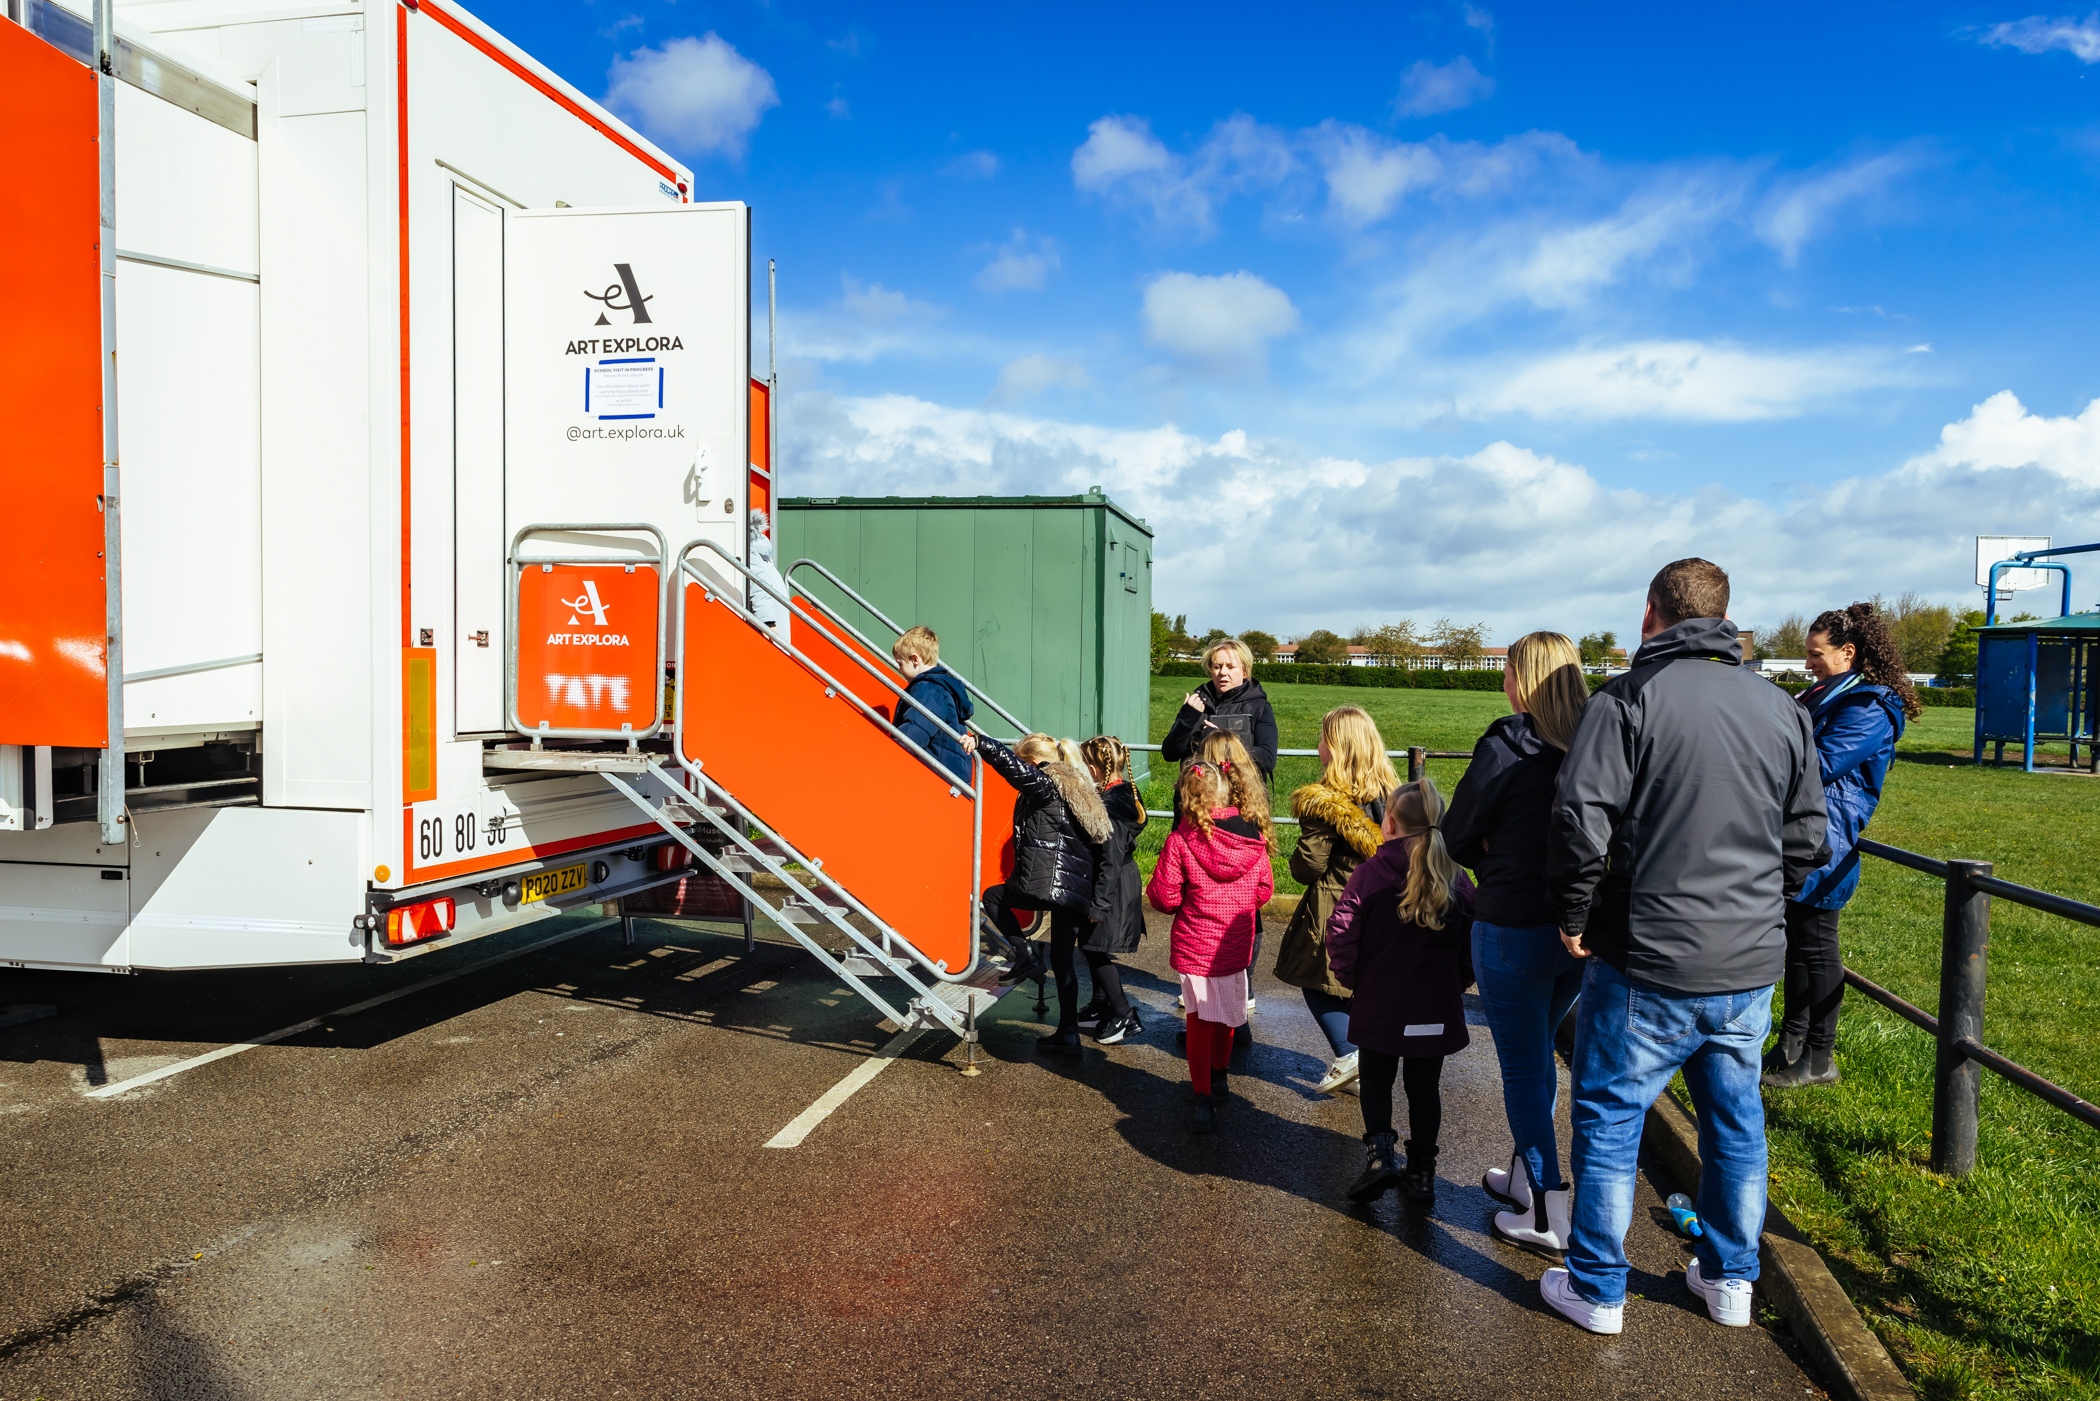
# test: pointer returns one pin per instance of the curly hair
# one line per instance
(1875, 655)
(1200, 788)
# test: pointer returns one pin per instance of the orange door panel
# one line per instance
(54, 622)
(829, 780)
(587, 647)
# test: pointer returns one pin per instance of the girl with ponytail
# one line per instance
(1859, 703)
(1399, 940)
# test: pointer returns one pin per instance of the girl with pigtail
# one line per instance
(1399, 940)
(1859, 703)
(1118, 909)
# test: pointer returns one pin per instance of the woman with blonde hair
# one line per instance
(1397, 941)
(1338, 822)
(1231, 700)
(1528, 980)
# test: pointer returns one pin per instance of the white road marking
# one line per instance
(105, 1091)
(844, 1090)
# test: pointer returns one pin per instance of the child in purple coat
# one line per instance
(1400, 940)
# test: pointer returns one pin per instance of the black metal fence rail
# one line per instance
(1417, 765)
(1965, 941)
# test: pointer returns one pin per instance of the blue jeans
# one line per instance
(1528, 980)
(1629, 1040)
(1332, 1013)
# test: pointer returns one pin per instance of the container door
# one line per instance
(477, 463)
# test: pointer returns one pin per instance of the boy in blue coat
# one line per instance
(918, 655)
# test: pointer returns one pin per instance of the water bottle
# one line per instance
(1681, 1212)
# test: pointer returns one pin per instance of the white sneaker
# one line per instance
(1511, 1185)
(1542, 1230)
(1339, 1074)
(1727, 1300)
(1559, 1290)
(1250, 1006)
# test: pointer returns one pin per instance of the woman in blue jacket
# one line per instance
(1860, 700)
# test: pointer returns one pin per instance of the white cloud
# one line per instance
(1269, 533)
(1014, 268)
(2038, 34)
(1427, 88)
(839, 108)
(1367, 175)
(1220, 323)
(1030, 375)
(1124, 162)
(868, 321)
(973, 165)
(1799, 208)
(1686, 381)
(694, 94)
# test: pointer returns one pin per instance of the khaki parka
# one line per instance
(1335, 834)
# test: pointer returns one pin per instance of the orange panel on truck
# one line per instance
(829, 780)
(758, 427)
(587, 644)
(54, 639)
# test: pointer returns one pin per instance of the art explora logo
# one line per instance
(636, 302)
(586, 602)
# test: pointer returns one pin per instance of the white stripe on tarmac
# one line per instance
(844, 1090)
(352, 1010)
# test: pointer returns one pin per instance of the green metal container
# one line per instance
(1044, 602)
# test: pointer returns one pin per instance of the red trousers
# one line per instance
(1210, 1044)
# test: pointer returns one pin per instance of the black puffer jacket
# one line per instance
(1058, 825)
(1185, 736)
(1118, 909)
(1497, 821)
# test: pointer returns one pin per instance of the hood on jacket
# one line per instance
(1715, 639)
(1227, 856)
(1120, 801)
(1248, 690)
(1076, 787)
(1339, 811)
(1521, 734)
(953, 684)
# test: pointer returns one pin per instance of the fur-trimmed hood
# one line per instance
(1076, 787)
(1339, 811)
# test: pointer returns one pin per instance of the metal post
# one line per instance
(750, 926)
(773, 407)
(1965, 943)
(626, 922)
(1417, 762)
(2034, 648)
(109, 787)
(969, 1066)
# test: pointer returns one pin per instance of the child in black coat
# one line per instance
(1118, 909)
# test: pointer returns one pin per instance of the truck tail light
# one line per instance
(425, 920)
(670, 856)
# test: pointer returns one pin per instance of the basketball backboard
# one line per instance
(1992, 548)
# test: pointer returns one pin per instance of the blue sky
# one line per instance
(1435, 309)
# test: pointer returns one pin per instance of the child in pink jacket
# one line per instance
(1213, 877)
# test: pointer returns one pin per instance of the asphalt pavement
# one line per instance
(547, 1178)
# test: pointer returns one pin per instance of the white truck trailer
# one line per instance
(273, 453)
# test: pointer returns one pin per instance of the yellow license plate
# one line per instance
(541, 884)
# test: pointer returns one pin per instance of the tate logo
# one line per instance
(636, 302)
(588, 603)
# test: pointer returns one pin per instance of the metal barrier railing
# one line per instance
(1415, 755)
(1965, 941)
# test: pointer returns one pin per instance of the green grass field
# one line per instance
(1987, 1286)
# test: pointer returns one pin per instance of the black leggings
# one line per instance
(1815, 976)
(1067, 927)
(1419, 1075)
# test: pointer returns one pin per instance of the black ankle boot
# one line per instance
(1206, 1115)
(1381, 1168)
(1058, 1043)
(1418, 1179)
(1813, 1068)
(1220, 1088)
(1027, 963)
(1785, 1051)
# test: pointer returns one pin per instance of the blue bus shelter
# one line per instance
(2034, 685)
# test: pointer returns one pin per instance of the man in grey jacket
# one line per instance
(1689, 808)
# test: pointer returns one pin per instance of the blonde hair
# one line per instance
(1357, 765)
(1069, 751)
(1250, 791)
(1199, 789)
(1232, 644)
(1545, 670)
(1108, 754)
(916, 642)
(1037, 749)
(1417, 810)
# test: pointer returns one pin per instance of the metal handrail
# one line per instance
(974, 790)
(1413, 756)
(882, 617)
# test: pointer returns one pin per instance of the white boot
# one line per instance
(1512, 1185)
(1543, 1230)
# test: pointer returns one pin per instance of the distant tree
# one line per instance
(1458, 644)
(1178, 639)
(1260, 643)
(1790, 638)
(1597, 648)
(1393, 644)
(1214, 635)
(1322, 648)
(1162, 640)
(1922, 630)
